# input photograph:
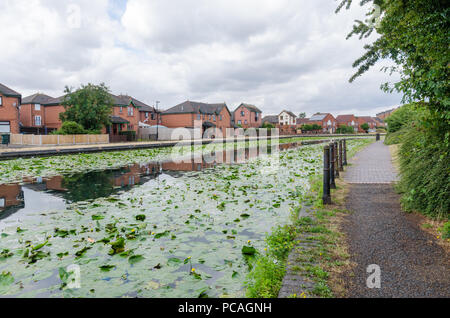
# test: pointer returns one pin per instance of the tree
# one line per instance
(414, 35)
(90, 106)
(302, 115)
(365, 127)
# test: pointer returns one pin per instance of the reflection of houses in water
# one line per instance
(11, 195)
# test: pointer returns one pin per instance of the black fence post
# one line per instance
(378, 136)
(341, 161)
(326, 197)
(336, 159)
(345, 152)
(332, 167)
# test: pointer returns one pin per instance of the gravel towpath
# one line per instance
(411, 263)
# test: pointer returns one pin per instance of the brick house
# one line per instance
(270, 119)
(10, 102)
(149, 115)
(366, 119)
(287, 123)
(325, 120)
(32, 114)
(347, 120)
(247, 116)
(126, 114)
(185, 114)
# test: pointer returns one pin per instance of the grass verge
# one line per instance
(322, 263)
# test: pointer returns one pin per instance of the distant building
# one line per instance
(185, 114)
(326, 121)
(247, 116)
(10, 102)
(270, 119)
(287, 118)
(347, 120)
(385, 114)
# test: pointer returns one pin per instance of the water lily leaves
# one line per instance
(173, 261)
(140, 217)
(83, 251)
(6, 280)
(107, 268)
(135, 259)
(5, 254)
(245, 216)
(98, 217)
(117, 246)
(248, 250)
(162, 234)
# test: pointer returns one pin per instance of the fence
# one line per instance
(58, 140)
(163, 133)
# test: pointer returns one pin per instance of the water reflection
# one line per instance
(45, 194)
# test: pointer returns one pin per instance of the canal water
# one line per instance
(173, 217)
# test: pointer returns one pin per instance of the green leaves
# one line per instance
(117, 246)
(140, 217)
(135, 259)
(248, 250)
(6, 280)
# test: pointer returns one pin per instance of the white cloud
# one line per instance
(275, 54)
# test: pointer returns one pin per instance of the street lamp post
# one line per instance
(157, 121)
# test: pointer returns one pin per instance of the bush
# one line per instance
(344, 129)
(70, 128)
(424, 170)
(402, 116)
(131, 135)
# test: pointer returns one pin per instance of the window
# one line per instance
(239, 122)
(246, 122)
(153, 116)
(199, 117)
(130, 111)
(2, 202)
(5, 127)
(209, 117)
(1, 101)
(37, 106)
(146, 114)
(214, 117)
(37, 121)
(220, 117)
(242, 113)
(121, 109)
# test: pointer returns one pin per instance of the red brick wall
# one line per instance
(249, 116)
(27, 113)
(51, 115)
(10, 192)
(133, 119)
(148, 120)
(9, 112)
(177, 120)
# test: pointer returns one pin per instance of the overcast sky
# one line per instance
(275, 54)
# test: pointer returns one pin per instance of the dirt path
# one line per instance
(411, 263)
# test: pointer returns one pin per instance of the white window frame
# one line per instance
(1, 100)
(37, 107)
(5, 124)
(130, 111)
(36, 122)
